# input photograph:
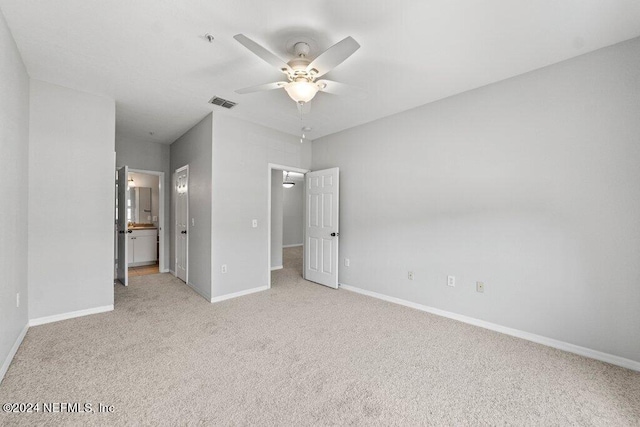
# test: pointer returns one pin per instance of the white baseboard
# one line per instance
(12, 352)
(173, 272)
(70, 315)
(550, 342)
(239, 294)
(292, 246)
(278, 267)
(199, 292)
(166, 270)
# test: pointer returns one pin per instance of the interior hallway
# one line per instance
(291, 266)
(302, 353)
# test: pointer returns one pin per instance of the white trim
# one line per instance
(198, 291)
(277, 267)
(239, 294)
(69, 315)
(173, 272)
(292, 246)
(550, 342)
(162, 222)
(12, 352)
(166, 270)
(270, 167)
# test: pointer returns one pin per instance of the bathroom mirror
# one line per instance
(140, 205)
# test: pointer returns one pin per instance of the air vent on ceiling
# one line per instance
(222, 102)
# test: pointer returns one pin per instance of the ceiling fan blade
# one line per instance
(263, 53)
(335, 88)
(304, 108)
(334, 56)
(260, 88)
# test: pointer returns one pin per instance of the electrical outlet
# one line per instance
(223, 268)
(254, 223)
(451, 280)
(346, 262)
(410, 275)
(479, 286)
(18, 299)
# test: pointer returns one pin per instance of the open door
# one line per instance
(123, 225)
(321, 227)
(182, 223)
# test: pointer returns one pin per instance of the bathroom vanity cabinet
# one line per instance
(143, 247)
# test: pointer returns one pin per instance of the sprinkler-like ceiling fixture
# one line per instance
(287, 182)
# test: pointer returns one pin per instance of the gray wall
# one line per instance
(293, 202)
(14, 143)
(530, 185)
(149, 156)
(240, 197)
(71, 148)
(276, 217)
(194, 149)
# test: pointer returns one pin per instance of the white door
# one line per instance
(131, 249)
(123, 229)
(321, 227)
(182, 222)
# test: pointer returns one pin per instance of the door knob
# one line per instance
(183, 232)
(129, 231)
(335, 234)
(121, 231)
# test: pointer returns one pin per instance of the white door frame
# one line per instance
(161, 220)
(175, 216)
(270, 168)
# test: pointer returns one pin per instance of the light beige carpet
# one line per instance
(302, 354)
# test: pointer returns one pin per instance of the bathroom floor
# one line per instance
(144, 270)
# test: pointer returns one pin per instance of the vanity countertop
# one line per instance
(142, 227)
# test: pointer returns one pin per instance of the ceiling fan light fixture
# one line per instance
(301, 91)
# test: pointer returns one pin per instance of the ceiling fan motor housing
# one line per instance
(301, 49)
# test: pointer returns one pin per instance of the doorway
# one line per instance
(320, 224)
(143, 217)
(140, 219)
(285, 221)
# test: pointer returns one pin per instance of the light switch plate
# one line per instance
(254, 223)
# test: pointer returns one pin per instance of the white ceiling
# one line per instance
(152, 58)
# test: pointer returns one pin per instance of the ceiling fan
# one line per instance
(302, 74)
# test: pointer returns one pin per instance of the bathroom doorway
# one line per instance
(143, 223)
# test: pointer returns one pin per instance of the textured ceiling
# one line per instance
(152, 58)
